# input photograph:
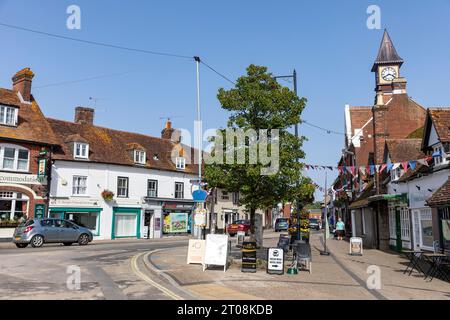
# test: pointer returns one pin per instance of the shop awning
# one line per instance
(389, 197)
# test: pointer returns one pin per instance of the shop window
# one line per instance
(81, 150)
(444, 216)
(79, 185)
(14, 158)
(84, 219)
(8, 115)
(179, 190)
(152, 188)
(122, 187)
(13, 206)
(405, 223)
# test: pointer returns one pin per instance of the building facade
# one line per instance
(26, 143)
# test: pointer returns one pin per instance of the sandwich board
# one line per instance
(216, 251)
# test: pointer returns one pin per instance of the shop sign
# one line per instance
(356, 246)
(178, 222)
(199, 195)
(196, 251)
(22, 178)
(42, 167)
(39, 211)
(275, 261)
(216, 251)
(249, 257)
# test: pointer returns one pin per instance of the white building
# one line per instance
(148, 180)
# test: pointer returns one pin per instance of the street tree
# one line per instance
(260, 105)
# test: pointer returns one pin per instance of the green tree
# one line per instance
(259, 102)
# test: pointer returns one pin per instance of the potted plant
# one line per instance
(107, 195)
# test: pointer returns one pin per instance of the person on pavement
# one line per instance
(340, 229)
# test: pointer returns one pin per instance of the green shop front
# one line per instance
(85, 217)
(126, 222)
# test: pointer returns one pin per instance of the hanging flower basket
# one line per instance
(107, 195)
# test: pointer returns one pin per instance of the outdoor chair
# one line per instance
(302, 251)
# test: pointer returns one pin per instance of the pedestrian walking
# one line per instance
(340, 229)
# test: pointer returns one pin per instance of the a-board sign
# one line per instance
(275, 261)
(196, 251)
(240, 238)
(356, 246)
(249, 257)
(216, 251)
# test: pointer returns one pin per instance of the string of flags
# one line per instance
(379, 168)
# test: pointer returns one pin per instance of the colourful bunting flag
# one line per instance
(405, 165)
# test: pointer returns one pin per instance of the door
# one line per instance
(148, 214)
(49, 231)
(67, 231)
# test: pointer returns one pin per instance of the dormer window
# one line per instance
(180, 163)
(439, 155)
(81, 150)
(8, 115)
(396, 174)
(139, 156)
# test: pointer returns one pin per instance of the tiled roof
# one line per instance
(113, 146)
(441, 196)
(441, 121)
(32, 125)
(404, 149)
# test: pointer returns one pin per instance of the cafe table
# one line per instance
(436, 260)
(414, 259)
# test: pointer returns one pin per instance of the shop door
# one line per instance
(125, 225)
(147, 223)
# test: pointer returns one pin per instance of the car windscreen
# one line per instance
(282, 220)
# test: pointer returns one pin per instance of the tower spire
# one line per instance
(387, 53)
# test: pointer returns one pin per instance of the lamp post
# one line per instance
(294, 78)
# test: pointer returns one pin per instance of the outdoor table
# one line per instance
(435, 270)
(414, 258)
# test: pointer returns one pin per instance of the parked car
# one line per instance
(315, 224)
(238, 225)
(281, 224)
(39, 231)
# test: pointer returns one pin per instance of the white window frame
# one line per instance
(120, 187)
(225, 195)
(392, 223)
(140, 156)
(155, 190)
(396, 174)
(17, 149)
(405, 223)
(441, 160)
(420, 215)
(180, 163)
(182, 190)
(76, 188)
(81, 156)
(3, 119)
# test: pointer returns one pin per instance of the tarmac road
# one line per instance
(108, 270)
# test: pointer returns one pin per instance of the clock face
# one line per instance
(388, 74)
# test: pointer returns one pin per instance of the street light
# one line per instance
(294, 77)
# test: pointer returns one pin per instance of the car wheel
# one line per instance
(67, 244)
(37, 241)
(21, 245)
(83, 240)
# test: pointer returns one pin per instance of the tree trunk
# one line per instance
(252, 224)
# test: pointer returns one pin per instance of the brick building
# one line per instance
(393, 116)
(26, 141)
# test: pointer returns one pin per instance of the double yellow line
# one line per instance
(140, 274)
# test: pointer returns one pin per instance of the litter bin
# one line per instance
(249, 257)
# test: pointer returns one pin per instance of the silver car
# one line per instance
(39, 231)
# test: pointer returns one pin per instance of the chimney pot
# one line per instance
(22, 81)
(84, 115)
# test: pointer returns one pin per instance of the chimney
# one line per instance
(170, 133)
(22, 83)
(84, 115)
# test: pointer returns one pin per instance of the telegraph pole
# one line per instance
(325, 250)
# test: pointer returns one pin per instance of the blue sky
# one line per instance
(327, 42)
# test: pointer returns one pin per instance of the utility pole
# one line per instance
(325, 250)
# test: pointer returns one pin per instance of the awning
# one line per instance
(389, 197)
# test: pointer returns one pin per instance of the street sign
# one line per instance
(199, 195)
(275, 261)
(200, 218)
(196, 251)
(356, 246)
(216, 251)
(39, 211)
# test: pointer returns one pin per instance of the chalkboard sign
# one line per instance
(216, 251)
(275, 261)
(249, 257)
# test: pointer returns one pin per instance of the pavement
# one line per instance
(338, 276)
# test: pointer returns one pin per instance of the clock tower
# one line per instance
(387, 72)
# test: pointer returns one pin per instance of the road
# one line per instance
(109, 270)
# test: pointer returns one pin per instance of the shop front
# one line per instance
(126, 223)
(177, 218)
(399, 222)
(85, 217)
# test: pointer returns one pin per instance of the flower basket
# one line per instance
(107, 195)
